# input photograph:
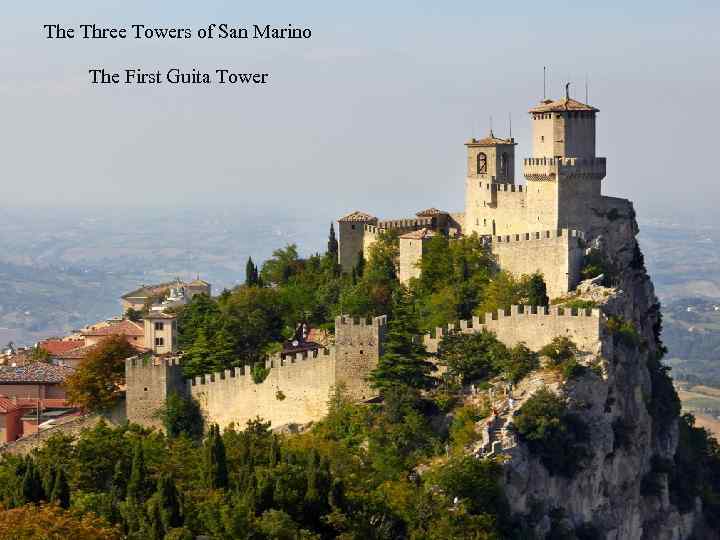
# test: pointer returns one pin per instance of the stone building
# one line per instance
(536, 226)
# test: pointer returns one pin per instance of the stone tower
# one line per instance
(351, 229)
(490, 164)
(412, 246)
(358, 346)
(149, 381)
(563, 175)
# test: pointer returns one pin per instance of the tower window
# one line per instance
(504, 164)
(542, 138)
(159, 326)
(481, 163)
(159, 342)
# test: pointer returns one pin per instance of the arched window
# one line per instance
(504, 164)
(481, 163)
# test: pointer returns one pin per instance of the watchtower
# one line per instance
(351, 230)
(563, 175)
(490, 167)
(149, 381)
(358, 346)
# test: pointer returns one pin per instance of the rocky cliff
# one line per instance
(632, 421)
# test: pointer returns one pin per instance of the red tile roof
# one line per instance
(358, 216)
(420, 234)
(7, 405)
(36, 373)
(58, 346)
(123, 328)
(430, 212)
(562, 105)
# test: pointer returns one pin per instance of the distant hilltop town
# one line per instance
(543, 226)
(32, 395)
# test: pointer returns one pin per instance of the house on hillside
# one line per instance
(29, 395)
(172, 293)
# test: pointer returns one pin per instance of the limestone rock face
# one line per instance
(606, 493)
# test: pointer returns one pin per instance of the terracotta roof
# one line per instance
(420, 234)
(430, 212)
(147, 291)
(158, 315)
(58, 346)
(358, 216)
(490, 140)
(77, 354)
(562, 105)
(7, 405)
(124, 328)
(37, 372)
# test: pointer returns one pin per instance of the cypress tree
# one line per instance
(251, 273)
(537, 291)
(332, 247)
(360, 265)
(168, 502)
(216, 472)
(137, 488)
(61, 490)
(32, 490)
(404, 360)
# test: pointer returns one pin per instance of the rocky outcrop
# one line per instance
(605, 496)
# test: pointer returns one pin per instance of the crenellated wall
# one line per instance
(536, 327)
(557, 255)
(296, 389)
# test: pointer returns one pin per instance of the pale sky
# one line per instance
(370, 114)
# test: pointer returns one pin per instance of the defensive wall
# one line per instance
(534, 326)
(296, 389)
(557, 255)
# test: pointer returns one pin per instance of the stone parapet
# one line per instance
(538, 169)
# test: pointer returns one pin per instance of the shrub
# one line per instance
(560, 349)
(552, 433)
(663, 404)
(579, 303)
(473, 357)
(462, 430)
(181, 415)
(623, 331)
(572, 369)
(520, 362)
(259, 373)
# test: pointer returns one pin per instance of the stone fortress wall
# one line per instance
(296, 389)
(535, 327)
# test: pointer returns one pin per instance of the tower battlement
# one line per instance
(538, 169)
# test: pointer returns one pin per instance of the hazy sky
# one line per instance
(371, 113)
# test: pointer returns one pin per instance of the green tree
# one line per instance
(182, 416)
(536, 290)
(404, 359)
(61, 490)
(283, 264)
(473, 357)
(251, 273)
(95, 385)
(133, 315)
(138, 487)
(216, 469)
(552, 433)
(32, 489)
(332, 247)
(168, 502)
